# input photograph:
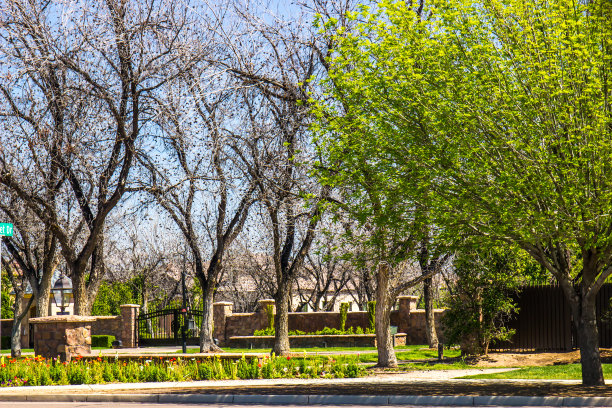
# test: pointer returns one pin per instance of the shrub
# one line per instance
(270, 313)
(480, 300)
(371, 316)
(343, 315)
(102, 341)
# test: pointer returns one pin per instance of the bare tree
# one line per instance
(206, 195)
(76, 92)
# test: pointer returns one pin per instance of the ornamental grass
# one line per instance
(40, 371)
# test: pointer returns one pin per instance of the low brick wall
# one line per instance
(106, 325)
(407, 318)
(6, 325)
(417, 330)
(353, 340)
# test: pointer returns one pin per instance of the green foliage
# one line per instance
(270, 313)
(480, 300)
(498, 112)
(110, 296)
(344, 307)
(5, 298)
(102, 341)
(372, 316)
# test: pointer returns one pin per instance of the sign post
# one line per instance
(6, 230)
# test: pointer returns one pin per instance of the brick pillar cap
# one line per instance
(129, 305)
(223, 304)
(408, 297)
(266, 301)
(64, 319)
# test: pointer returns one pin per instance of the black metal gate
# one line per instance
(165, 327)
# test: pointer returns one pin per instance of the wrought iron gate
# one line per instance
(165, 327)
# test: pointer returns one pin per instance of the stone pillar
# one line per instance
(129, 325)
(221, 310)
(62, 336)
(262, 307)
(406, 305)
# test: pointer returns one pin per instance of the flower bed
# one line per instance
(41, 371)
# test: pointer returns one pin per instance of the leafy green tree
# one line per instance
(507, 105)
(7, 302)
(110, 296)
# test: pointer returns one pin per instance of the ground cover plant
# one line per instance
(40, 371)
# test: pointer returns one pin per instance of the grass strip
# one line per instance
(555, 372)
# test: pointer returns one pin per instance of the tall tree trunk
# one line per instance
(42, 295)
(20, 310)
(430, 319)
(588, 340)
(207, 343)
(79, 292)
(384, 340)
(281, 320)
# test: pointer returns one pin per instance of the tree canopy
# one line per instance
(504, 106)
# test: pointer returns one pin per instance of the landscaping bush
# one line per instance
(343, 315)
(102, 341)
(270, 313)
(371, 316)
(481, 299)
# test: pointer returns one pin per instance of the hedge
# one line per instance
(102, 341)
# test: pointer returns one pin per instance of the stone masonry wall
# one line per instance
(62, 336)
(407, 318)
(106, 325)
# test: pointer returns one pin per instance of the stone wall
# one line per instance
(355, 340)
(6, 325)
(62, 336)
(416, 329)
(106, 325)
(407, 318)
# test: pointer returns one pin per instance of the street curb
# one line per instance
(304, 400)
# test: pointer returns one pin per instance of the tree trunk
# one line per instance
(79, 292)
(588, 340)
(42, 297)
(20, 311)
(430, 320)
(384, 340)
(207, 343)
(281, 320)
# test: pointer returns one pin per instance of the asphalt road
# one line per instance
(135, 405)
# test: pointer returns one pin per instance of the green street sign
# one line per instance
(6, 230)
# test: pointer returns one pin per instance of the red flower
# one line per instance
(288, 357)
(259, 365)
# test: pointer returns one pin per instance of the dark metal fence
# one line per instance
(165, 327)
(544, 320)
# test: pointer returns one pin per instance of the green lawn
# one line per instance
(415, 353)
(558, 372)
(451, 365)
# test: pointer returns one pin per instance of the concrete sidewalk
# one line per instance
(434, 388)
